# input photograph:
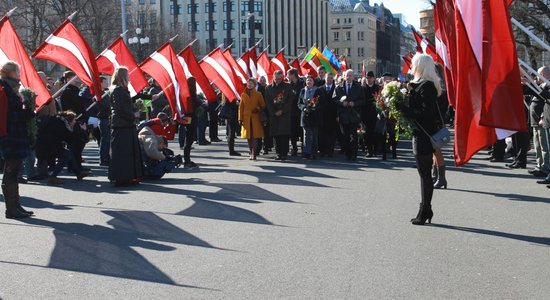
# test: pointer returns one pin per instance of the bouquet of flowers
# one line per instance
(311, 105)
(279, 101)
(392, 94)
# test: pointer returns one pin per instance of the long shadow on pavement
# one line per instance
(525, 238)
(108, 251)
(513, 197)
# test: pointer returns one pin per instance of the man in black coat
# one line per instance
(328, 114)
(278, 98)
(349, 109)
(369, 113)
(297, 132)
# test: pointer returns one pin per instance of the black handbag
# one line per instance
(225, 112)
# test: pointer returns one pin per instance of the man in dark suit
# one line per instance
(349, 109)
(278, 99)
(369, 113)
(328, 114)
(320, 81)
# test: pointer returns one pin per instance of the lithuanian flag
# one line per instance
(314, 52)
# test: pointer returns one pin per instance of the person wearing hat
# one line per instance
(369, 114)
(163, 125)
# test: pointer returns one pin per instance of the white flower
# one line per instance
(343, 99)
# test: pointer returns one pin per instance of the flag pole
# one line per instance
(531, 80)
(71, 17)
(10, 12)
(528, 67)
(56, 94)
(531, 34)
(173, 38)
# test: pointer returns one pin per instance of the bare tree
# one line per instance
(535, 15)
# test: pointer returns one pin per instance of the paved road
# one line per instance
(265, 230)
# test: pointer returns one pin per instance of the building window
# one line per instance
(259, 7)
(348, 35)
(360, 35)
(231, 6)
(192, 8)
(228, 42)
(212, 41)
(193, 27)
(227, 24)
(361, 20)
(153, 17)
(361, 52)
(213, 25)
(335, 21)
(141, 2)
(336, 36)
(153, 2)
(141, 19)
(178, 10)
(244, 26)
(259, 25)
(347, 52)
(337, 51)
(245, 6)
(214, 6)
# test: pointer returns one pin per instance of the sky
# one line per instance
(409, 8)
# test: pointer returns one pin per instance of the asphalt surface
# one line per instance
(236, 229)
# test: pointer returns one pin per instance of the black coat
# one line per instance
(350, 115)
(71, 100)
(423, 110)
(126, 162)
(369, 112)
(279, 126)
(16, 144)
(53, 136)
(328, 108)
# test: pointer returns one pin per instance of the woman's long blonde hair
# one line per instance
(423, 67)
(120, 77)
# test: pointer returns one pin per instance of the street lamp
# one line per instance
(139, 41)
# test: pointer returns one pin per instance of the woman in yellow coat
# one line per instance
(252, 104)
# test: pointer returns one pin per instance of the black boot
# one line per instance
(18, 203)
(441, 180)
(12, 212)
(232, 151)
(425, 214)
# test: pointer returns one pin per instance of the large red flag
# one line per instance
(191, 67)
(163, 65)
(264, 67)
(502, 90)
(278, 62)
(243, 62)
(295, 64)
(241, 74)
(470, 137)
(11, 48)
(447, 27)
(116, 55)
(219, 72)
(67, 47)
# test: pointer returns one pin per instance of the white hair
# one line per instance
(349, 71)
(423, 67)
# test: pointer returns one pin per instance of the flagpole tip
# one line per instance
(172, 39)
(72, 16)
(9, 13)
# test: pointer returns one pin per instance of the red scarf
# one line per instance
(3, 112)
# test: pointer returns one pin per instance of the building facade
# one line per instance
(427, 27)
(353, 34)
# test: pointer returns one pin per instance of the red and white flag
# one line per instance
(426, 46)
(219, 72)
(67, 47)
(444, 19)
(311, 66)
(252, 61)
(11, 48)
(163, 65)
(236, 68)
(243, 62)
(278, 62)
(191, 67)
(117, 55)
(264, 67)
(343, 63)
(295, 64)
(407, 60)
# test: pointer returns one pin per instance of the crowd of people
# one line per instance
(323, 114)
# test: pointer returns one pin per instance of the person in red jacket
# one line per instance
(163, 125)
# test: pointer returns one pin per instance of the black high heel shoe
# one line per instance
(425, 215)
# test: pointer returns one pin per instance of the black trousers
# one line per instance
(232, 126)
(297, 133)
(521, 142)
(370, 135)
(424, 164)
(281, 145)
(327, 139)
(349, 139)
(190, 137)
(12, 167)
(213, 119)
(499, 148)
